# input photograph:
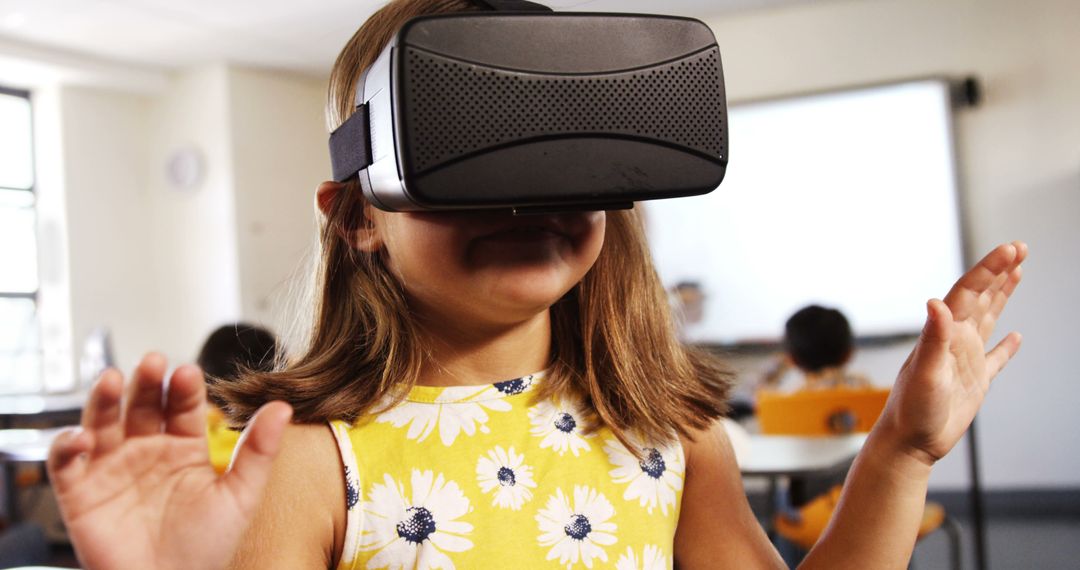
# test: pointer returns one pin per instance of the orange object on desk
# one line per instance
(820, 412)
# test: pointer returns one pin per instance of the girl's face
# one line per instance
(486, 268)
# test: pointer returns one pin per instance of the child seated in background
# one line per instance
(817, 341)
(229, 351)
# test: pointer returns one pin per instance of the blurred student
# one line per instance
(689, 302)
(818, 342)
(228, 352)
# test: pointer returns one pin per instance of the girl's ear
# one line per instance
(361, 234)
(326, 195)
(366, 236)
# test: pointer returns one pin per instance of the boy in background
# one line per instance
(818, 341)
(228, 352)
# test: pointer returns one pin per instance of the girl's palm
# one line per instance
(135, 485)
(944, 381)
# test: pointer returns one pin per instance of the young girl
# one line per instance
(481, 391)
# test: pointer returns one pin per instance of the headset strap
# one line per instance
(349, 149)
(513, 6)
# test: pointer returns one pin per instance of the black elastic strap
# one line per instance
(513, 6)
(349, 149)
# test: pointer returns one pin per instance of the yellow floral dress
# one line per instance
(221, 439)
(476, 477)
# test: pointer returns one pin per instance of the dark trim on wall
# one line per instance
(1018, 503)
(1010, 503)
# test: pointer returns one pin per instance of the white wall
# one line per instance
(111, 262)
(161, 266)
(194, 233)
(155, 265)
(54, 300)
(279, 151)
(1020, 164)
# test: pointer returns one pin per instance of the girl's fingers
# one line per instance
(185, 412)
(66, 463)
(932, 351)
(1001, 297)
(142, 409)
(963, 298)
(997, 358)
(250, 469)
(101, 416)
(1021, 251)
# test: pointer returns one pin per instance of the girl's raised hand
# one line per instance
(942, 385)
(135, 485)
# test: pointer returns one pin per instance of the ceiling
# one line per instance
(297, 35)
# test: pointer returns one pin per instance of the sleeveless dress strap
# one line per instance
(352, 496)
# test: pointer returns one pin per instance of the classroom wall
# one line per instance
(195, 242)
(1019, 155)
(161, 266)
(155, 264)
(109, 232)
(54, 300)
(279, 153)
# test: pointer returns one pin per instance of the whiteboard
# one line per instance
(846, 199)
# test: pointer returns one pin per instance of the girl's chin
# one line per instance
(527, 294)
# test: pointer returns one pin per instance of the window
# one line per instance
(20, 344)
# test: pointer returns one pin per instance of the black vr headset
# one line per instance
(525, 109)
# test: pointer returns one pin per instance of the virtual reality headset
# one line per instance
(522, 108)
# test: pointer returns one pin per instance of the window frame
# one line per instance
(35, 295)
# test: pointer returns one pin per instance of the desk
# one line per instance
(26, 445)
(23, 406)
(776, 456)
(793, 456)
(32, 445)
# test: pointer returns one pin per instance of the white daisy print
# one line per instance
(416, 532)
(448, 412)
(653, 480)
(578, 531)
(559, 423)
(651, 559)
(505, 473)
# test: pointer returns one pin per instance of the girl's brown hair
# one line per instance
(614, 342)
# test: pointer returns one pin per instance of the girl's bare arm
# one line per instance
(716, 527)
(300, 523)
